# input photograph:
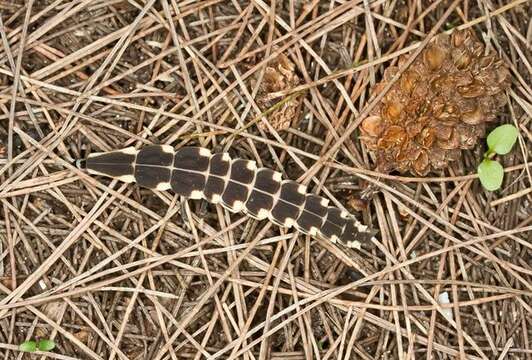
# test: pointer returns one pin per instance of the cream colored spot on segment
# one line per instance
(353, 244)
(289, 222)
(129, 150)
(313, 231)
(334, 239)
(324, 202)
(302, 189)
(263, 214)
(126, 178)
(360, 227)
(277, 176)
(196, 194)
(205, 152)
(238, 206)
(226, 157)
(167, 149)
(251, 165)
(163, 186)
(215, 198)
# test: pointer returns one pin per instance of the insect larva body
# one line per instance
(236, 184)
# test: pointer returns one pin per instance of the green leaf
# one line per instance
(46, 345)
(28, 346)
(491, 174)
(502, 139)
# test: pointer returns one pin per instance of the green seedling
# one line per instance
(28, 346)
(41, 345)
(500, 142)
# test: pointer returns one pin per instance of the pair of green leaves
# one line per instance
(41, 345)
(500, 141)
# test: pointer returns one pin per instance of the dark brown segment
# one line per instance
(313, 215)
(240, 184)
(316, 205)
(155, 155)
(218, 177)
(334, 215)
(328, 230)
(113, 164)
(282, 212)
(188, 184)
(151, 176)
(192, 158)
(235, 195)
(290, 202)
(258, 201)
(290, 193)
(220, 164)
(334, 223)
(265, 181)
(240, 172)
(353, 233)
(214, 189)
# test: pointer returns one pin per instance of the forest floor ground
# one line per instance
(109, 270)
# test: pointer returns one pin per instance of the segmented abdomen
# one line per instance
(236, 184)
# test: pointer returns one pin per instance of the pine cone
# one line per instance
(279, 75)
(439, 106)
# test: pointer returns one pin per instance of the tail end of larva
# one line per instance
(356, 234)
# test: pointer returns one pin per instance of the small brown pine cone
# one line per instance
(281, 112)
(439, 106)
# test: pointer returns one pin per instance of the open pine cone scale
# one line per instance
(439, 106)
